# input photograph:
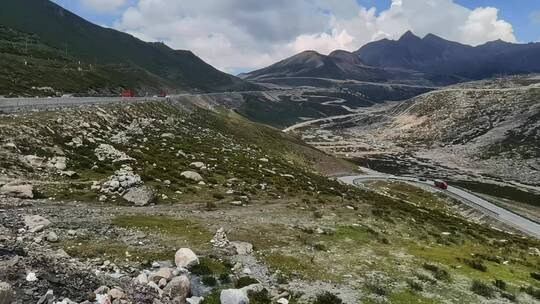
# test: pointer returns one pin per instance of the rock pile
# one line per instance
(107, 152)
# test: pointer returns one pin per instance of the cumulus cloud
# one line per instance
(249, 34)
(104, 5)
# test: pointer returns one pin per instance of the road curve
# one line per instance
(500, 214)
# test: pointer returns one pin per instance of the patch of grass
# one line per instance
(292, 266)
(190, 232)
(245, 281)
(209, 281)
(408, 297)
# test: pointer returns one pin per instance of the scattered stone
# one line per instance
(18, 189)
(283, 301)
(185, 258)
(31, 277)
(141, 279)
(233, 296)
(163, 273)
(198, 165)
(194, 300)
(263, 160)
(52, 237)
(116, 293)
(47, 298)
(107, 152)
(36, 223)
(139, 196)
(242, 248)
(178, 287)
(194, 176)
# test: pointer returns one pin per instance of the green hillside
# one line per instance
(65, 36)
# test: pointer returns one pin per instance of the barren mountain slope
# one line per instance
(491, 127)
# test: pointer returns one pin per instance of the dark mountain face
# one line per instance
(90, 43)
(339, 65)
(443, 59)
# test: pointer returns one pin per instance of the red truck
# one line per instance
(441, 184)
(128, 93)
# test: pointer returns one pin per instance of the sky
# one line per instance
(242, 35)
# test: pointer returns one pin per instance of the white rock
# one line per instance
(242, 248)
(139, 196)
(18, 189)
(194, 300)
(185, 258)
(107, 152)
(194, 176)
(264, 160)
(36, 223)
(178, 287)
(116, 293)
(31, 277)
(283, 301)
(198, 165)
(141, 279)
(233, 296)
(52, 237)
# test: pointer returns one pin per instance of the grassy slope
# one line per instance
(377, 245)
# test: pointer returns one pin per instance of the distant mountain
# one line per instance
(79, 40)
(339, 65)
(455, 62)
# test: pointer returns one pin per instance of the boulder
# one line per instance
(58, 163)
(242, 248)
(198, 165)
(34, 161)
(185, 258)
(18, 189)
(116, 293)
(233, 296)
(52, 237)
(47, 298)
(194, 300)
(6, 293)
(194, 176)
(178, 287)
(163, 273)
(139, 196)
(36, 223)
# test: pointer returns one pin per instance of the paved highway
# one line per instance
(500, 214)
(17, 104)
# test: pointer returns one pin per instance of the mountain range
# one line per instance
(431, 59)
(122, 59)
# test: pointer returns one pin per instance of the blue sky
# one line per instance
(240, 35)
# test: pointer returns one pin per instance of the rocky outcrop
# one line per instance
(36, 223)
(139, 196)
(194, 176)
(18, 189)
(107, 152)
(185, 258)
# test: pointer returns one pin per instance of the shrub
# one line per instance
(500, 284)
(482, 289)
(224, 278)
(260, 297)
(439, 273)
(218, 196)
(476, 264)
(425, 278)
(509, 296)
(378, 289)
(535, 276)
(209, 281)
(327, 298)
(414, 285)
(201, 269)
(533, 292)
(245, 281)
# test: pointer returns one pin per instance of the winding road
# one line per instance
(497, 213)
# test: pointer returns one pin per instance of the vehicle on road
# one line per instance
(441, 184)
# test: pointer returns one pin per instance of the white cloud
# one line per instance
(249, 34)
(104, 5)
